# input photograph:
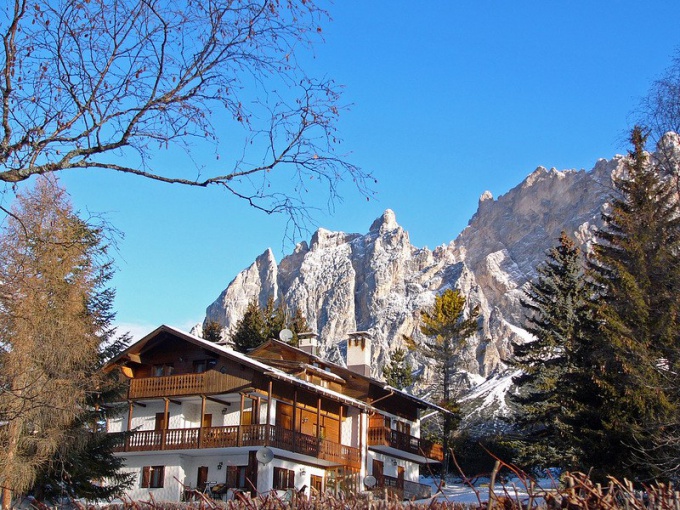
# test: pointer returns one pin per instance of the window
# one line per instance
(199, 366)
(283, 478)
(161, 370)
(152, 477)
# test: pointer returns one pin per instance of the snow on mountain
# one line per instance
(378, 282)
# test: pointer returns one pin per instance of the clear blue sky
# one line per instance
(449, 98)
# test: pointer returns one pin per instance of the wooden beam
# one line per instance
(176, 402)
(140, 404)
(135, 358)
(215, 399)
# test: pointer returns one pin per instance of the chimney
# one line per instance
(359, 353)
(309, 342)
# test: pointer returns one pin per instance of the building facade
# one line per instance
(198, 413)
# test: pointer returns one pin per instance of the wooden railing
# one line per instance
(243, 435)
(186, 384)
(382, 436)
(402, 489)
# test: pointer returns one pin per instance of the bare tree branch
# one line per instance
(106, 84)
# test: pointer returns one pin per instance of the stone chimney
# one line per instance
(359, 353)
(309, 342)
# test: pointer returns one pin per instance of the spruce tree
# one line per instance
(550, 390)
(447, 326)
(636, 271)
(212, 331)
(250, 330)
(259, 325)
(399, 373)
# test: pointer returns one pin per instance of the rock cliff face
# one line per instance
(378, 282)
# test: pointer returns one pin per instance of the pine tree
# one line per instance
(551, 387)
(399, 373)
(259, 325)
(447, 326)
(55, 312)
(636, 269)
(212, 331)
(250, 330)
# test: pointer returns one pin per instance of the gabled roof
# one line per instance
(272, 351)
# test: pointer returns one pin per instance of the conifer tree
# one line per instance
(55, 316)
(399, 373)
(212, 331)
(259, 325)
(636, 270)
(447, 326)
(550, 396)
(85, 455)
(250, 330)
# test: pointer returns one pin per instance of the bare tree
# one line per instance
(105, 84)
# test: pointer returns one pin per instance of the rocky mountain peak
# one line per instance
(386, 223)
(378, 282)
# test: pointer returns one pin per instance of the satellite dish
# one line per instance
(264, 455)
(370, 481)
(285, 335)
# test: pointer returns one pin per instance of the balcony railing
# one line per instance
(243, 435)
(186, 384)
(382, 436)
(402, 489)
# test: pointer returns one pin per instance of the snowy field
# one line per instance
(460, 492)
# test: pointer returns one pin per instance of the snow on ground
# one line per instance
(460, 492)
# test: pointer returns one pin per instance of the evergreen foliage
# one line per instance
(551, 387)
(212, 331)
(399, 373)
(85, 456)
(447, 326)
(55, 322)
(636, 272)
(260, 324)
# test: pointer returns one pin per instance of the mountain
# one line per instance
(378, 281)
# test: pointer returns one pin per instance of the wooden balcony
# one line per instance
(402, 489)
(209, 382)
(243, 435)
(382, 436)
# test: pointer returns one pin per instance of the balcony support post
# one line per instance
(200, 430)
(295, 425)
(166, 420)
(318, 427)
(131, 406)
(240, 420)
(269, 412)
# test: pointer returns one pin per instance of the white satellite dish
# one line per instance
(264, 455)
(285, 335)
(370, 481)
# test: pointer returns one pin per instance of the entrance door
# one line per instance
(201, 478)
(378, 467)
(400, 477)
(207, 421)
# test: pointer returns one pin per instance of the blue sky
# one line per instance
(449, 99)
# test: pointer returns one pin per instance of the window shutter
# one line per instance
(161, 476)
(291, 479)
(146, 476)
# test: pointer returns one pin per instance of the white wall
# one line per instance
(171, 489)
(411, 469)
